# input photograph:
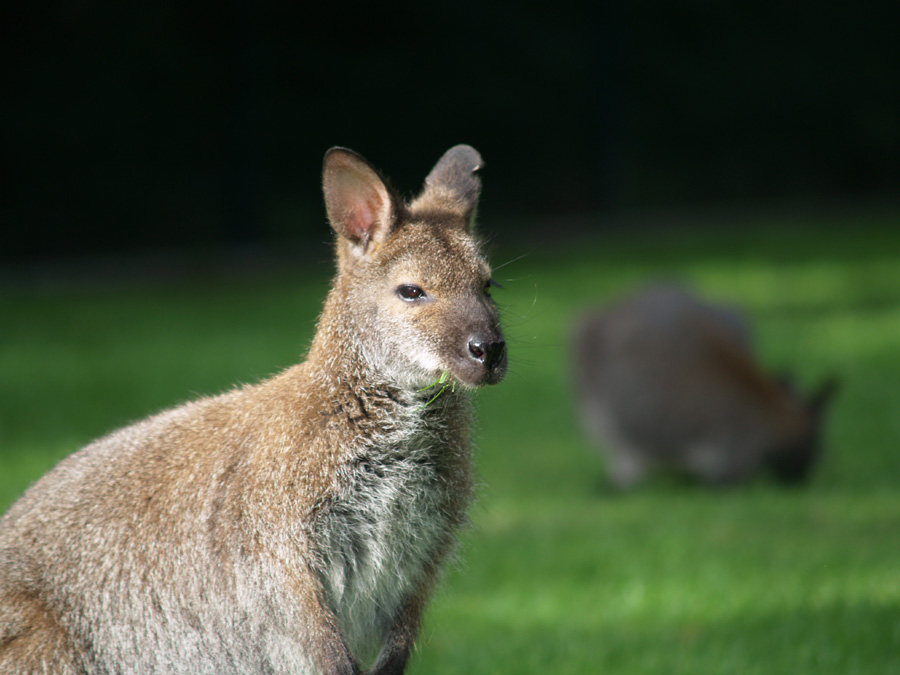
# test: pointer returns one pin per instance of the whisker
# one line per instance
(510, 262)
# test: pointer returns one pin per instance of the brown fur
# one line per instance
(297, 525)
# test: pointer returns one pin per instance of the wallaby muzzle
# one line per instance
(490, 353)
(479, 352)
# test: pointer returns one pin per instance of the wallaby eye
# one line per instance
(410, 292)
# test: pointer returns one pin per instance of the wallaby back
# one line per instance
(665, 380)
(293, 526)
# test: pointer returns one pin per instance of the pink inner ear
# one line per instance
(361, 216)
(362, 206)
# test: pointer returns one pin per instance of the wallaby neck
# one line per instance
(350, 374)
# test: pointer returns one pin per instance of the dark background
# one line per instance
(136, 126)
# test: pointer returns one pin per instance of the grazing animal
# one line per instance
(665, 380)
(297, 525)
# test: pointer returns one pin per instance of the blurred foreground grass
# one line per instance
(559, 574)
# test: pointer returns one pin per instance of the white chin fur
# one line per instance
(412, 371)
(427, 368)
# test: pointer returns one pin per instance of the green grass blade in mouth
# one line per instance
(446, 380)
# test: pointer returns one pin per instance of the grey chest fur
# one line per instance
(396, 505)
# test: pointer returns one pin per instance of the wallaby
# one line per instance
(293, 526)
(666, 380)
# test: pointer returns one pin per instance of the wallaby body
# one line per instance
(664, 380)
(293, 526)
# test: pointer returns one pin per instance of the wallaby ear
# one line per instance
(820, 399)
(360, 205)
(454, 182)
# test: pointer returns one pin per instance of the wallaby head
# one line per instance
(413, 290)
(792, 460)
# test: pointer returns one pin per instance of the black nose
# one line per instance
(489, 353)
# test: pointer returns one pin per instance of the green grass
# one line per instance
(558, 573)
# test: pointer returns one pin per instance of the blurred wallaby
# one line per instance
(293, 526)
(664, 380)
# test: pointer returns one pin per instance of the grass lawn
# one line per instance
(559, 574)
